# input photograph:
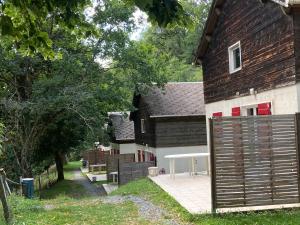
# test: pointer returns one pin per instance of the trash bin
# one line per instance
(84, 163)
(28, 187)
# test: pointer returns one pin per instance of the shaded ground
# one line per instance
(90, 189)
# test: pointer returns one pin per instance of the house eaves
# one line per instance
(212, 20)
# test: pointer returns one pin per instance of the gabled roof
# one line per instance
(123, 128)
(212, 20)
(175, 99)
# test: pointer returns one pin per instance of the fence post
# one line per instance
(6, 209)
(40, 187)
(119, 176)
(212, 168)
(21, 186)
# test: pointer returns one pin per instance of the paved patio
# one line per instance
(193, 193)
(96, 177)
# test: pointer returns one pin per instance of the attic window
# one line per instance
(143, 130)
(235, 57)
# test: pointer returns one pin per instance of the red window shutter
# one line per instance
(143, 156)
(151, 157)
(139, 155)
(264, 109)
(217, 114)
(236, 111)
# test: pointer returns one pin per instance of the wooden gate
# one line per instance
(254, 161)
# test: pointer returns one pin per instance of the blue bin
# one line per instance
(28, 184)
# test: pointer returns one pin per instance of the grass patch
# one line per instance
(75, 212)
(67, 203)
(67, 187)
(147, 189)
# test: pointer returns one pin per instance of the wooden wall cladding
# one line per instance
(268, 50)
(133, 171)
(255, 161)
(112, 163)
(180, 132)
(149, 136)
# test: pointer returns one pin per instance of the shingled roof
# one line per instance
(175, 99)
(123, 128)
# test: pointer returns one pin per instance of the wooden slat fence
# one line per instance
(133, 171)
(255, 161)
(94, 157)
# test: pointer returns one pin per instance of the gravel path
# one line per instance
(91, 189)
(146, 209)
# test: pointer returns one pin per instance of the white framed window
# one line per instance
(235, 57)
(143, 130)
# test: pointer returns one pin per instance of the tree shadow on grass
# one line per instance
(67, 188)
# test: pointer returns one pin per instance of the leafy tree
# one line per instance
(22, 22)
(51, 107)
(179, 42)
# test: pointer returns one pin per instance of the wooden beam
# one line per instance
(6, 210)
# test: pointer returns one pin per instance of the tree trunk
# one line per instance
(59, 166)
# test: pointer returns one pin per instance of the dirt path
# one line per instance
(91, 189)
(146, 209)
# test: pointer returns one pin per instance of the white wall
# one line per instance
(129, 148)
(181, 165)
(284, 100)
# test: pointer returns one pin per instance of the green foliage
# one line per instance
(178, 43)
(164, 13)
(60, 106)
(1, 136)
(27, 26)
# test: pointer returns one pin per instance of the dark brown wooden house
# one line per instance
(170, 121)
(250, 54)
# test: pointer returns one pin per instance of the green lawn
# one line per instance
(67, 203)
(147, 189)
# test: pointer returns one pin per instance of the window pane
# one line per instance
(236, 58)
